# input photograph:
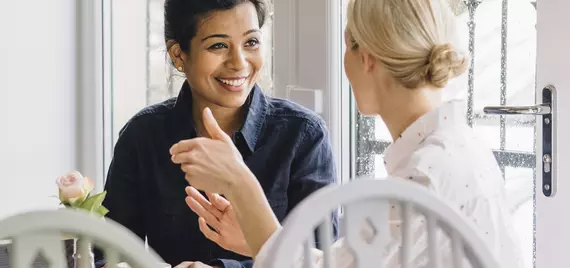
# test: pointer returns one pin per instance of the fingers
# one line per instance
(203, 213)
(213, 128)
(219, 202)
(208, 233)
(197, 196)
(187, 145)
(200, 265)
(184, 157)
(186, 264)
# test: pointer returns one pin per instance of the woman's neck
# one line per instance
(407, 106)
(229, 119)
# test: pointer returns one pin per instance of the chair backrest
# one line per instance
(367, 202)
(42, 232)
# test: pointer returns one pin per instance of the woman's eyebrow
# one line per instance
(227, 36)
(215, 36)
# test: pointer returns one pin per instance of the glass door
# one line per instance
(548, 112)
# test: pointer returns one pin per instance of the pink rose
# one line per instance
(73, 186)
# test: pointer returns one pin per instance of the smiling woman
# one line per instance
(223, 59)
(142, 71)
(217, 47)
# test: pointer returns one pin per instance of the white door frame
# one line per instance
(553, 56)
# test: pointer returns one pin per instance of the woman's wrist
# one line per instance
(243, 185)
(240, 173)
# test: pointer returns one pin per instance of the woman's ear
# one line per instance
(368, 61)
(176, 55)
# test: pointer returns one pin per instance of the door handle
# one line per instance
(540, 109)
(546, 112)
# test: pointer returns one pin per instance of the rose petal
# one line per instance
(71, 186)
(88, 185)
(70, 193)
(70, 178)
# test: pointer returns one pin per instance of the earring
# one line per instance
(180, 68)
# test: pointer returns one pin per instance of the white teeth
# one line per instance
(235, 83)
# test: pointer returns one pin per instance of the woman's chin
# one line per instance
(232, 101)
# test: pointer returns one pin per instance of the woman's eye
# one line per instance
(252, 43)
(217, 46)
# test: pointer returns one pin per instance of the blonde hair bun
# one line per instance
(444, 63)
(411, 38)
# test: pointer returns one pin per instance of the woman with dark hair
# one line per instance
(217, 45)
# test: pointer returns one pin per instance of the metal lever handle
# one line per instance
(547, 111)
(540, 109)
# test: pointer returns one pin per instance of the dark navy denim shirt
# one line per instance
(286, 146)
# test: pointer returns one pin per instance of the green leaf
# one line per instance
(92, 203)
(102, 211)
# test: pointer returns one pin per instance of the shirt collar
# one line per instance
(449, 114)
(255, 116)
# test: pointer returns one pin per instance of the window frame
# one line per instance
(308, 57)
(94, 84)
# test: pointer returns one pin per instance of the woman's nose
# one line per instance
(237, 60)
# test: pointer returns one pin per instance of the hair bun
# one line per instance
(444, 63)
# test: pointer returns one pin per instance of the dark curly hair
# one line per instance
(181, 17)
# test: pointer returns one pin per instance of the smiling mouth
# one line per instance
(233, 82)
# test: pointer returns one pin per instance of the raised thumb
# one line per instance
(211, 125)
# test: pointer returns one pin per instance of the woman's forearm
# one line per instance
(253, 211)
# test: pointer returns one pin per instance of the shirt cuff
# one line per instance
(262, 255)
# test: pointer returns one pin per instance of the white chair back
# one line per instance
(366, 202)
(41, 232)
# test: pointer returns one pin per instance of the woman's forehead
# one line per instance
(237, 20)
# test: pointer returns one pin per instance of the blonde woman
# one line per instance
(400, 56)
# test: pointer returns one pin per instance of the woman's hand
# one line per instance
(219, 214)
(211, 165)
(216, 166)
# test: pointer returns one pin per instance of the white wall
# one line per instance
(37, 113)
